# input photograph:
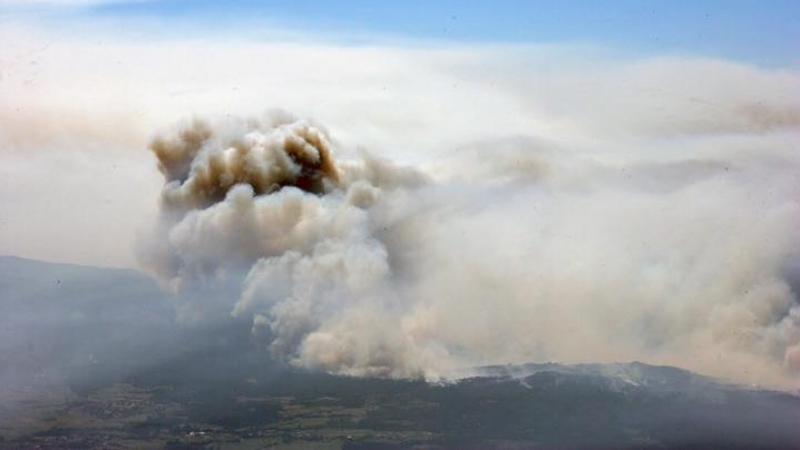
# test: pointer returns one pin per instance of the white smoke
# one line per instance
(509, 250)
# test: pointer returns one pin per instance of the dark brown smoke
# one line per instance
(176, 153)
(203, 167)
(314, 168)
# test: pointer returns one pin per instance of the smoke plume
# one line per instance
(506, 251)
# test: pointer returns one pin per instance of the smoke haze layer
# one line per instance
(507, 250)
(527, 202)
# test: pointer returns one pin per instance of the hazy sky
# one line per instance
(85, 83)
(758, 31)
(578, 181)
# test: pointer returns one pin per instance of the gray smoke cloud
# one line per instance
(508, 250)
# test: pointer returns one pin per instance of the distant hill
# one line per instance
(40, 290)
(64, 321)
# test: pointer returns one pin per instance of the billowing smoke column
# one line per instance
(514, 250)
(266, 198)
